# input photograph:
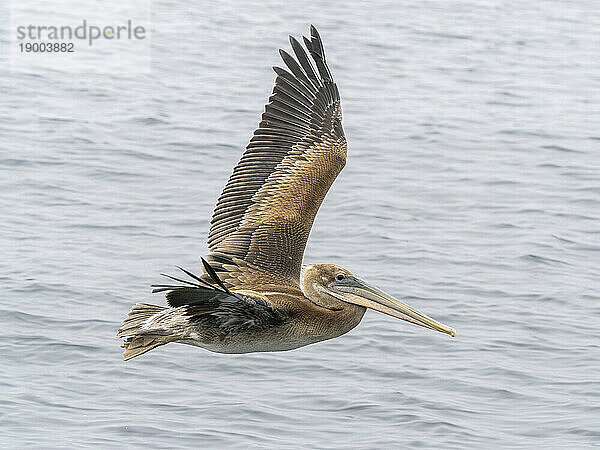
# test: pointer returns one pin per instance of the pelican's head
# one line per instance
(332, 287)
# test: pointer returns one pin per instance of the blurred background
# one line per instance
(472, 190)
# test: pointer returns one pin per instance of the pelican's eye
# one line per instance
(340, 277)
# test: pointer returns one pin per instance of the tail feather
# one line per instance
(137, 318)
(140, 337)
(139, 345)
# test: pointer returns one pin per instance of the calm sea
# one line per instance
(472, 190)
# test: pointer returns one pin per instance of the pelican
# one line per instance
(254, 294)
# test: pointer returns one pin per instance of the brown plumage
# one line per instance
(263, 218)
(254, 295)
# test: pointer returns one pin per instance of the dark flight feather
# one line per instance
(214, 276)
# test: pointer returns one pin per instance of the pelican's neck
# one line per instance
(329, 317)
(321, 323)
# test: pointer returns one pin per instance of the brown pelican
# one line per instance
(254, 294)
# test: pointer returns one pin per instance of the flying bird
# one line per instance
(254, 294)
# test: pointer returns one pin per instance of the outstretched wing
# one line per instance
(263, 218)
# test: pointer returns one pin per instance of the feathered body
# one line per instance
(225, 321)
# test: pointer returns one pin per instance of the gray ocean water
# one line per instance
(472, 190)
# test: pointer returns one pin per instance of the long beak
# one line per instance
(368, 296)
